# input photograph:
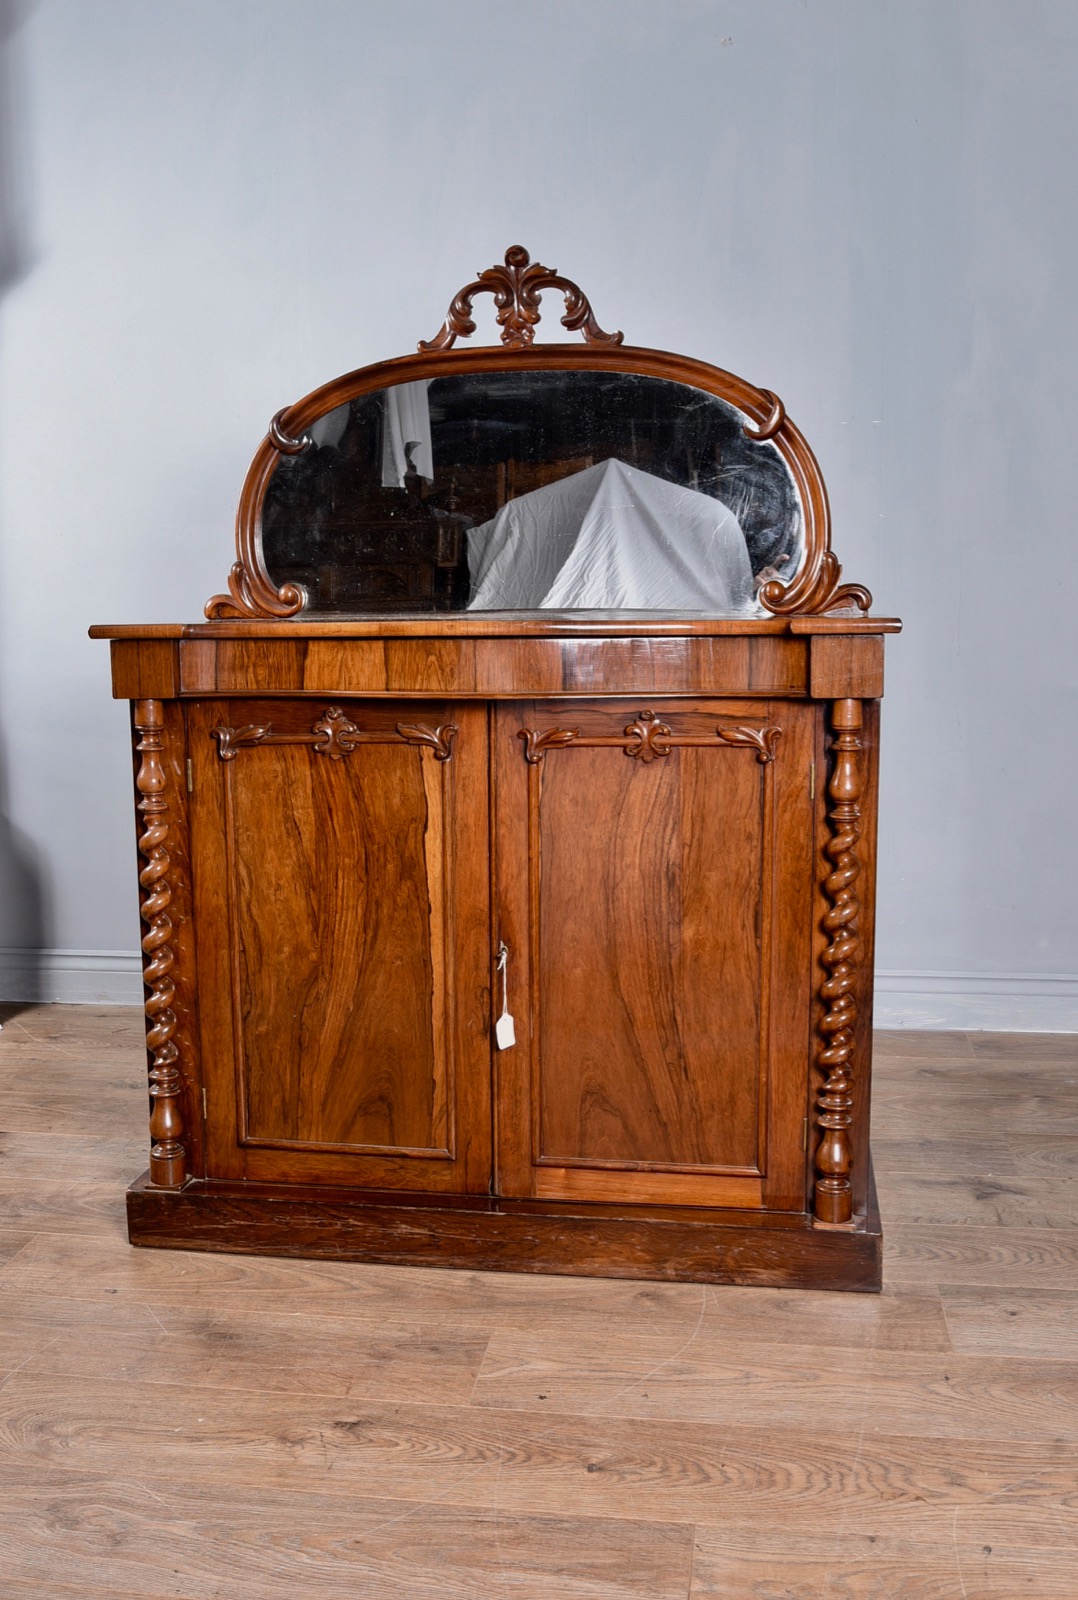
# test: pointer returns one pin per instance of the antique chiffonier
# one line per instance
(507, 832)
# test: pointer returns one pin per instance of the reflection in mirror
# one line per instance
(532, 491)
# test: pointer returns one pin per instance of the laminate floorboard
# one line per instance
(180, 1426)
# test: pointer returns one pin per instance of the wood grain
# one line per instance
(661, 1031)
(491, 667)
(342, 939)
(204, 1427)
(855, 1565)
(547, 1463)
(258, 1545)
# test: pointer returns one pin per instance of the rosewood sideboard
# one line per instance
(535, 937)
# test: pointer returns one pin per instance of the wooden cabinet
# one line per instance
(646, 836)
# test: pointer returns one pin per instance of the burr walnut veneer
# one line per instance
(651, 838)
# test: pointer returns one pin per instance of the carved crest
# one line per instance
(516, 288)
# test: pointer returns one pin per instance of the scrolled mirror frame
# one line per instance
(815, 587)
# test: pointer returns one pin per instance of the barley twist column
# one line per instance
(166, 1083)
(834, 1157)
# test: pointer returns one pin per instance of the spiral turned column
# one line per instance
(842, 957)
(166, 1083)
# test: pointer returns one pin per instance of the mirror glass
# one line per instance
(532, 491)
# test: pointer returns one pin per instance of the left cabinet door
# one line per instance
(341, 893)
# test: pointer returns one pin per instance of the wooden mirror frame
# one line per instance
(516, 287)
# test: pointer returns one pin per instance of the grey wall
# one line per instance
(863, 204)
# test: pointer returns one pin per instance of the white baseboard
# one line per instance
(1003, 1002)
(1000, 1002)
(72, 977)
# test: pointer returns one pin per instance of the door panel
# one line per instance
(660, 980)
(341, 866)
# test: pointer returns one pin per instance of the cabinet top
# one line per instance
(546, 625)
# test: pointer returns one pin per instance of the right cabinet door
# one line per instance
(654, 893)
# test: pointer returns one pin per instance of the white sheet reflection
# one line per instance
(611, 537)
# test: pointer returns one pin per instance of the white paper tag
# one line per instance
(505, 1034)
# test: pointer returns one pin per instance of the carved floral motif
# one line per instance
(335, 736)
(648, 737)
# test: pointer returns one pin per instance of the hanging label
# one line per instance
(505, 1034)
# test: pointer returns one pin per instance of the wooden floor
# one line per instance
(227, 1428)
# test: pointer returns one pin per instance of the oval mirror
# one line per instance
(536, 491)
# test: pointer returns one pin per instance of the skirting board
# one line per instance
(1001, 1001)
(72, 977)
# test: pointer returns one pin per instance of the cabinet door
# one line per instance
(654, 889)
(341, 874)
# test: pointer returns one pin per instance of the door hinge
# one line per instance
(190, 776)
(804, 1132)
(812, 780)
(205, 1111)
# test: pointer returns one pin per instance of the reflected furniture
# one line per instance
(537, 940)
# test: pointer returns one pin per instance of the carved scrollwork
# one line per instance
(230, 741)
(250, 594)
(816, 590)
(763, 740)
(834, 1196)
(284, 442)
(538, 741)
(771, 424)
(165, 1081)
(647, 737)
(439, 739)
(335, 736)
(516, 288)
